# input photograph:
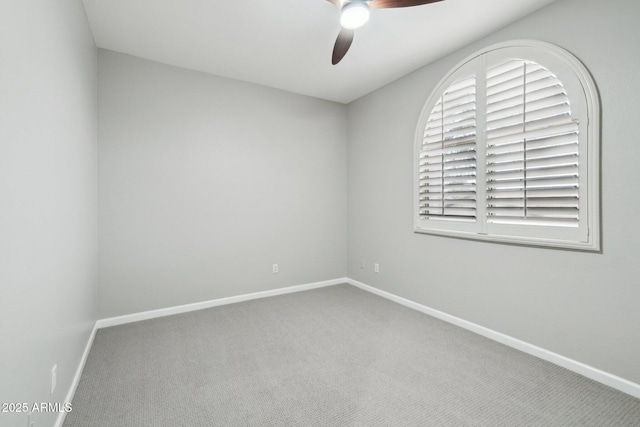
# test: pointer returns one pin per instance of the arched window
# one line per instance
(507, 149)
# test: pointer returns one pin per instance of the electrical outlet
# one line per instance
(362, 264)
(54, 377)
(275, 268)
(376, 267)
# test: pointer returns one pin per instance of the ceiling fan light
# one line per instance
(354, 15)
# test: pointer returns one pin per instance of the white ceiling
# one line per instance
(287, 44)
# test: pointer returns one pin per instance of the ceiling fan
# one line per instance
(355, 13)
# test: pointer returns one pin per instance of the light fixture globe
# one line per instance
(354, 14)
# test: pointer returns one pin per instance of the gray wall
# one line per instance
(48, 182)
(581, 305)
(205, 182)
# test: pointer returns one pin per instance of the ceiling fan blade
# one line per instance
(386, 4)
(343, 43)
(336, 3)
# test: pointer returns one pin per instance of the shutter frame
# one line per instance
(550, 164)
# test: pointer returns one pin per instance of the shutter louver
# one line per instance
(532, 147)
(447, 168)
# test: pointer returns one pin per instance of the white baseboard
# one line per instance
(76, 378)
(136, 317)
(595, 374)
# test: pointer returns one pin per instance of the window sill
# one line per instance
(592, 245)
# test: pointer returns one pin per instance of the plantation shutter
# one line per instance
(531, 147)
(507, 150)
(447, 157)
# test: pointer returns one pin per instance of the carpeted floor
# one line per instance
(335, 356)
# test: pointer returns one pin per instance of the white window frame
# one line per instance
(585, 106)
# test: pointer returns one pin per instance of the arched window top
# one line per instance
(507, 149)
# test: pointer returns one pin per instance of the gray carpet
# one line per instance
(335, 356)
